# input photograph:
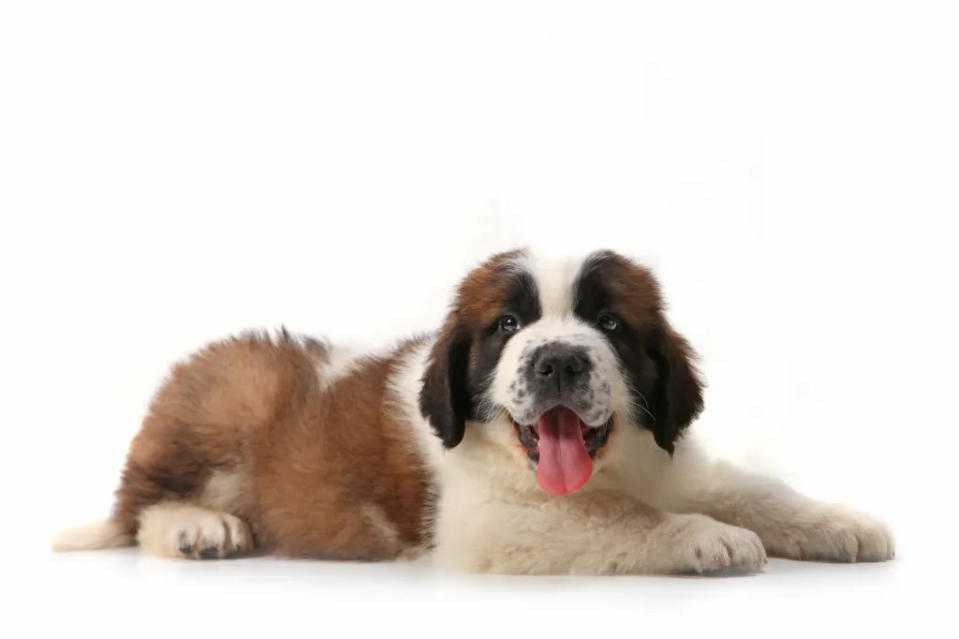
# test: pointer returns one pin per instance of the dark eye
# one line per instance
(509, 323)
(608, 322)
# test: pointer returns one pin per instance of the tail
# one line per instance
(108, 533)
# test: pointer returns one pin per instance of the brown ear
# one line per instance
(677, 397)
(444, 397)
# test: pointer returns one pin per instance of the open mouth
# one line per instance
(563, 448)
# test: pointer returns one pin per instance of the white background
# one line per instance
(173, 172)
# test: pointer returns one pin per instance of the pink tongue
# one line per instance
(564, 465)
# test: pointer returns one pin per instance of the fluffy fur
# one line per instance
(290, 446)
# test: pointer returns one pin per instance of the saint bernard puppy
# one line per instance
(539, 431)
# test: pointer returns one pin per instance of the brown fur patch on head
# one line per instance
(467, 347)
(666, 387)
(630, 289)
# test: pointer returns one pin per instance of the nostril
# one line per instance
(574, 366)
(544, 370)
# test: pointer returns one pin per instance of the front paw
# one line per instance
(831, 533)
(700, 545)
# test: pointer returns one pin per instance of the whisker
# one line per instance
(645, 404)
(646, 410)
(642, 397)
(490, 410)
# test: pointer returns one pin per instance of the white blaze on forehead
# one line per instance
(555, 279)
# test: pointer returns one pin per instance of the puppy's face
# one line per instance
(558, 354)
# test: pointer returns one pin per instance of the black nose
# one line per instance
(560, 366)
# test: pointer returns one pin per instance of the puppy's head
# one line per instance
(559, 354)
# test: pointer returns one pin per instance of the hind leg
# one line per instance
(188, 485)
(175, 529)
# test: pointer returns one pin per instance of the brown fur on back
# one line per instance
(325, 466)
